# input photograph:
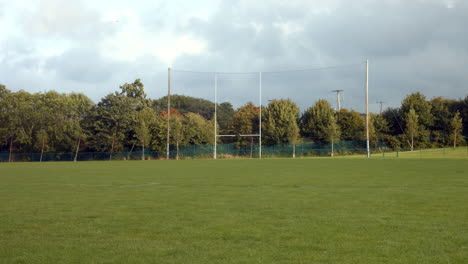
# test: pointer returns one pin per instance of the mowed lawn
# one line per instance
(235, 211)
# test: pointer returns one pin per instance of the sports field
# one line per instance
(320, 210)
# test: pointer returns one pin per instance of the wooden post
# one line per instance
(168, 110)
(367, 108)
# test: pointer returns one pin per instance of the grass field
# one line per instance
(460, 152)
(235, 211)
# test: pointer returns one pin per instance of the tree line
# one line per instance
(127, 120)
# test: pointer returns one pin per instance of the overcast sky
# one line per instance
(93, 46)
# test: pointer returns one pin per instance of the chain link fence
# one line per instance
(232, 151)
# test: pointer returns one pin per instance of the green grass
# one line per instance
(460, 152)
(235, 211)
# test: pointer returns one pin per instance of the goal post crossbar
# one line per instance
(216, 136)
(245, 135)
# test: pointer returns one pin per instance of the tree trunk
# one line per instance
(112, 147)
(131, 150)
(77, 149)
(42, 150)
(455, 139)
(333, 148)
(11, 148)
(412, 143)
(177, 147)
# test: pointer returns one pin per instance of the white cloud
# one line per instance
(133, 41)
(113, 41)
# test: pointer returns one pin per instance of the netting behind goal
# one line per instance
(234, 102)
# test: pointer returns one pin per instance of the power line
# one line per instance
(270, 72)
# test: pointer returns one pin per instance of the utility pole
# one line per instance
(338, 99)
(381, 106)
(215, 150)
(168, 110)
(260, 117)
(367, 108)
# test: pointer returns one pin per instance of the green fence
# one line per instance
(226, 151)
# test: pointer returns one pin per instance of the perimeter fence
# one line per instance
(231, 151)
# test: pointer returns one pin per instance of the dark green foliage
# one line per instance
(279, 124)
(462, 107)
(394, 121)
(315, 121)
(245, 121)
(352, 124)
(224, 114)
(3, 91)
(186, 104)
(422, 108)
(128, 121)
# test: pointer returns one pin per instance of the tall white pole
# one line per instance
(168, 109)
(215, 115)
(260, 119)
(367, 108)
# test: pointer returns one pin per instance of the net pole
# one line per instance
(260, 118)
(215, 115)
(168, 110)
(367, 108)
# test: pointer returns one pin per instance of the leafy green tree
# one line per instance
(315, 121)
(440, 129)
(144, 119)
(18, 118)
(176, 135)
(158, 132)
(4, 112)
(333, 133)
(114, 122)
(3, 91)
(114, 119)
(42, 140)
(187, 104)
(61, 117)
(177, 132)
(456, 125)
(422, 108)
(245, 121)
(279, 124)
(380, 126)
(352, 125)
(197, 130)
(136, 92)
(461, 106)
(80, 108)
(394, 121)
(412, 125)
(225, 115)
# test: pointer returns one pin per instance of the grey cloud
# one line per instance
(412, 45)
(83, 65)
(390, 30)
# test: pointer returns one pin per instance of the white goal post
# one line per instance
(259, 134)
(216, 136)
